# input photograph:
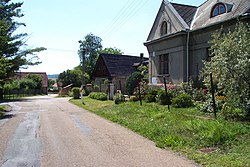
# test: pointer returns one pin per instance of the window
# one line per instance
(218, 9)
(209, 54)
(164, 28)
(164, 64)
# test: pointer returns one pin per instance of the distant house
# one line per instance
(178, 41)
(22, 75)
(116, 68)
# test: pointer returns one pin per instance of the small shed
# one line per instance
(116, 68)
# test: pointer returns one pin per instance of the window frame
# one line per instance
(164, 26)
(218, 7)
(164, 64)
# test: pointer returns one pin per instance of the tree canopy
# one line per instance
(112, 51)
(93, 47)
(92, 44)
(230, 65)
(14, 53)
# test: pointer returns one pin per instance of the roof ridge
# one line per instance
(184, 5)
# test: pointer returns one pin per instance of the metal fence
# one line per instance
(14, 94)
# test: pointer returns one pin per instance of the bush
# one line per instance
(149, 98)
(162, 98)
(119, 98)
(183, 101)
(76, 92)
(133, 98)
(151, 93)
(133, 81)
(98, 96)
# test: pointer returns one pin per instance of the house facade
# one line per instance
(178, 42)
(115, 69)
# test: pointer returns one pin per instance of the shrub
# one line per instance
(119, 98)
(183, 101)
(96, 88)
(133, 98)
(162, 98)
(85, 92)
(76, 92)
(149, 98)
(98, 96)
(133, 81)
(151, 93)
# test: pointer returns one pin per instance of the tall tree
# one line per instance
(93, 45)
(112, 51)
(231, 65)
(14, 53)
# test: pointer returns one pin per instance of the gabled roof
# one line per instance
(118, 65)
(187, 12)
(235, 8)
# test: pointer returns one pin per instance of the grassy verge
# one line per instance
(2, 109)
(209, 142)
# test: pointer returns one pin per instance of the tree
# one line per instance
(37, 79)
(14, 53)
(70, 77)
(230, 65)
(112, 51)
(93, 46)
(51, 82)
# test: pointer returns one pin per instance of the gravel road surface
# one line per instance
(46, 131)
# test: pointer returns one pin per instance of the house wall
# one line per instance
(115, 80)
(199, 44)
(176, 48)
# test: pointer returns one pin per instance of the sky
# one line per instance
(58, 25)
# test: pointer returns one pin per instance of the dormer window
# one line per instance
(218, 9)
(164, 28)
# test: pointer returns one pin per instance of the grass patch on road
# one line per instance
(2, 109)
(209, 142)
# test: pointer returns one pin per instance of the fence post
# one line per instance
(166, 91)
(139, 88)
(212, 91)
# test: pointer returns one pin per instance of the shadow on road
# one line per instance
(7, 116)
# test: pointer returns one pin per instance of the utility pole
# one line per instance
(83, 71)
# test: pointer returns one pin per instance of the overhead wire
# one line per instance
(120, 15)
(128, 16)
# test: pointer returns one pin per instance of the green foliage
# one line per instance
(182, 101)
(93, 46)
(112, 51)
(151, 93)
(37, 79)
(51, 82)
(96, 88)
(98, 96)
(76, 92)
(133, 98)
(230, 65)
(119, 98)
(163, 99)
(13, 50)
(71, 77)
(133, 81)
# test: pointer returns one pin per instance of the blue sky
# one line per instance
(58, 25)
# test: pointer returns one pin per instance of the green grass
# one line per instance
(184, 130)
(2, 109)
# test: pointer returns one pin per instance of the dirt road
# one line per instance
(46, 131)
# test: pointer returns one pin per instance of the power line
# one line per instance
(120, 15)
(128, 16)
(61, 50)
